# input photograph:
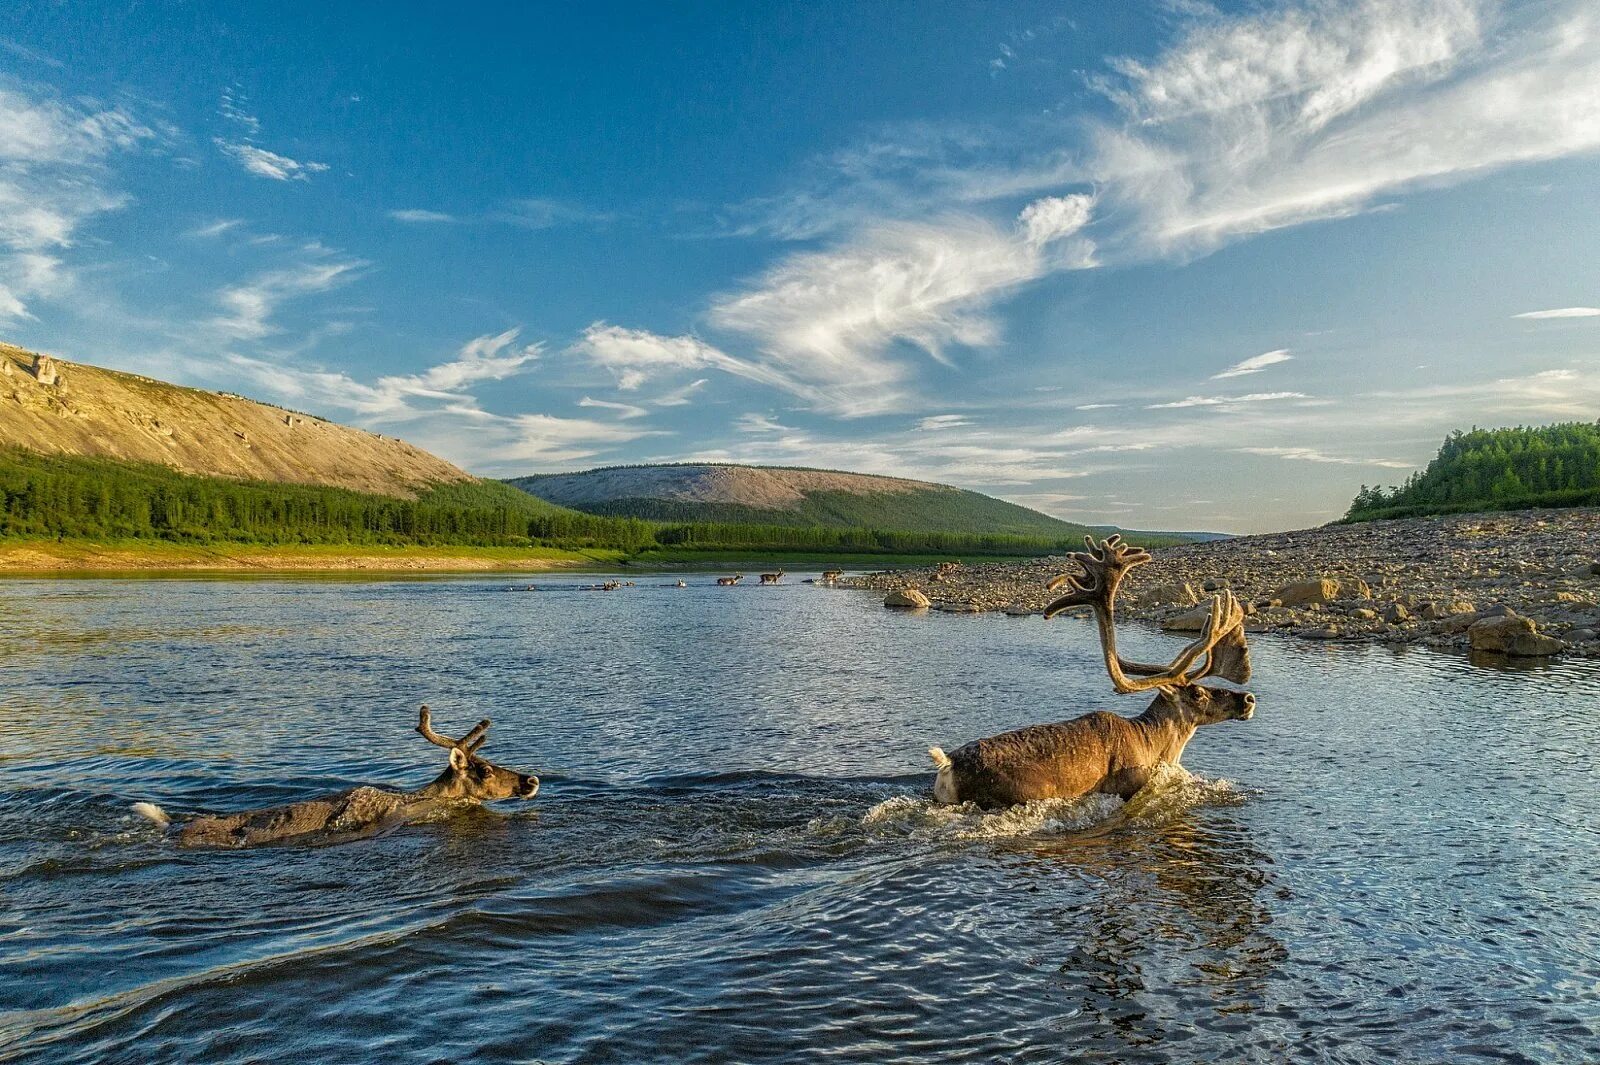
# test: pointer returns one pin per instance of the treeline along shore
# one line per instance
(1519, 583)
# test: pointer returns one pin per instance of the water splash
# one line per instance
(1171, 792)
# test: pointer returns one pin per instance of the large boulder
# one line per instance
(1188, 621)
(907, 599)
(1511, 634)
(1180, 594)
(1322, 590)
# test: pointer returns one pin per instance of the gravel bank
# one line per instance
(1449, 582)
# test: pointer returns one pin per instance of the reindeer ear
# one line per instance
(458, 759)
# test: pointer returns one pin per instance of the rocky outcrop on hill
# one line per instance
(1523, 584)
(58, 407)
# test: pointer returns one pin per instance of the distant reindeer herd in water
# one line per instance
(1098, 752)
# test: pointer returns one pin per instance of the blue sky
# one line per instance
(1167, 265)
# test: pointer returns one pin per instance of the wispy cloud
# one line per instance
(624, 410)
(1226, 401)
(759, 423)
(679, 397)
(243, 148)
(1561, 312)
(418, 215)
(249, 307)
(635, 356)
(53, 180)
(1289, 114)
(1254, 364)
(830, 319)
(936, 422)
(268, 164)
(215, 229)
(1311, 454)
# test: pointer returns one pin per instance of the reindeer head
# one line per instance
(1222, 641)
(472, 778)
(1202, 704)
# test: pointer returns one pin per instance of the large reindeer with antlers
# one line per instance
(1100, 751)
(772, 578)
(363, 810)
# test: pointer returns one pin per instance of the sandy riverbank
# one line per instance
(1418, 580)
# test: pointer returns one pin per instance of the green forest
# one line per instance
(58, 497)
(1496, 469)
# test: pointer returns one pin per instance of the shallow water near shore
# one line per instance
(734, 856)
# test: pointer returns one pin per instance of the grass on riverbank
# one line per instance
(25, 556)
(34, 556)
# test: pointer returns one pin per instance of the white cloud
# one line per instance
(830, 319)
(53, 181)
(624, 410)
(268, 164)
(1226, 401)
(1097, 406)
(759, 423)
(1289, 114)
(635, 356)
(943, 421)
(248, 308)
(680, 397)
(1561, 312)
(216, 229)
(418, 215)
(545, 440)
(442, 414)
(1311, 454)
(1254, 364)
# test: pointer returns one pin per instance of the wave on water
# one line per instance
(1171, 792)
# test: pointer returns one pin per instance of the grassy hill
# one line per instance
(102, 413)
(1496, 469)
(789, 496)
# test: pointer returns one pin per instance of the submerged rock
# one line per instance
(907, 599)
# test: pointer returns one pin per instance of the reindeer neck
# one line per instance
(1168, 727)
(442, 788)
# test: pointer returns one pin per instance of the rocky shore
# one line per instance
(1524, 583)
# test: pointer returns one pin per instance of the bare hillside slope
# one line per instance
(782, 495)
(107, 414)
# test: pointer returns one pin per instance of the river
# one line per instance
(734, 857)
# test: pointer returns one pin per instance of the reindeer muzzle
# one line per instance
(529, 787)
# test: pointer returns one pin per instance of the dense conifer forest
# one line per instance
(1496, 469)
(75, 497)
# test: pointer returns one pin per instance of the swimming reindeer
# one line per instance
(831, 575)
(1104, 752)
(772, 578)
(730, 581)
(468, 779)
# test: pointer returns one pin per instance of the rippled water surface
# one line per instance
(734, 856)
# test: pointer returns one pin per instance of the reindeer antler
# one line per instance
(468, 743)
(1104, 565)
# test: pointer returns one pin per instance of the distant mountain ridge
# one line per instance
(92, 412)
(785, 495)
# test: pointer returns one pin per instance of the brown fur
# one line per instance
(1098, 752)
(365, 810)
